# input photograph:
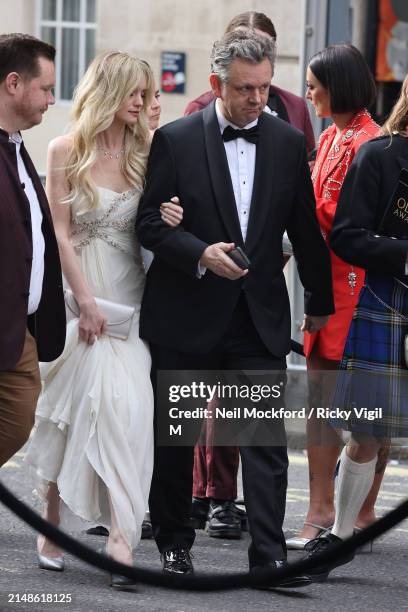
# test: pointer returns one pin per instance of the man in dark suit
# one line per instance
(216, 467)
(32, 312)
(202, 311)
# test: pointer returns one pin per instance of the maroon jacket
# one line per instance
(295, 106)
(47, 325)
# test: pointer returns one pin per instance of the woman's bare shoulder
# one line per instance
(60, 146)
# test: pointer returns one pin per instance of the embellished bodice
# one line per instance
(334, 156)
(113, 221)
(108, 251)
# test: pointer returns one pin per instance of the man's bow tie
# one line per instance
(250, 135)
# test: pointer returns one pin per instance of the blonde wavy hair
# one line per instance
(108, 81)
(397, 122)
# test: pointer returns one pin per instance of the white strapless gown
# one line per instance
(94, 421)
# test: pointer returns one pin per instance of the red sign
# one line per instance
(168, 81)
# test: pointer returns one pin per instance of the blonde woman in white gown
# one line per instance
(92, 449)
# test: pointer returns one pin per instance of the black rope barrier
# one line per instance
(195, 582)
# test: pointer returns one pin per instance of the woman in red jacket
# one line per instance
(341, 87)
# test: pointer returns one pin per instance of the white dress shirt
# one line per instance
(241, 156)
(37, 266)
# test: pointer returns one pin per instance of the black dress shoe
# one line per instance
(177, 561)
(122, 583)
(199, 512)
(117, 581)
(147, 531)
(224, 520)
(294, 582)
(98, 530)
(319, 545)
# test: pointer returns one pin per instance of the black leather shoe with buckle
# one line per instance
(177, 561)
(322, 544)
(292, 582)
(224, 520)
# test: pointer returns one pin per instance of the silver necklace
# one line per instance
(110, 155)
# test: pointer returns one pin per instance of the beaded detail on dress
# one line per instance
(84, 231)
(334, 158)
(352, 131)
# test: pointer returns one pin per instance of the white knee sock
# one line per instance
(355, 481)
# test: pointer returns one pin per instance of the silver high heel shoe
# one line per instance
(55, 564)
(298, 543)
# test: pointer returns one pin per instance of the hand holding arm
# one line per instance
(172, 243)
(172, 212)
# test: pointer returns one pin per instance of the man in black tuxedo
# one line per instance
(200, 310)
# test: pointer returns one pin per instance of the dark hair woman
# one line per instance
(340, 87)
(373, 371)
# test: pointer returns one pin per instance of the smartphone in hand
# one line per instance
(239, 257)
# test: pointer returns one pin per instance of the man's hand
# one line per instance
(313, 323)
(215, 259)
(171, 212)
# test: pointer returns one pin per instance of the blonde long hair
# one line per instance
(397, 122)
(108, 81)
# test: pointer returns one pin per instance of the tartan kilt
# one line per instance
(373, 373)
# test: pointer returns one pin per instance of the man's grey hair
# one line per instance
(245, 44)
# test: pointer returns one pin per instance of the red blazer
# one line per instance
(47, 325)
(328, 175)
(295, 107)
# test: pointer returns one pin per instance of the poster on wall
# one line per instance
(392, 44)
(173, 72)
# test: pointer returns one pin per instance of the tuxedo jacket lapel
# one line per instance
(220, 175)
(262, 187)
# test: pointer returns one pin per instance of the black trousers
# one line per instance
(264, 468)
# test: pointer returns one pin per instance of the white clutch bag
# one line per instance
(119, 316)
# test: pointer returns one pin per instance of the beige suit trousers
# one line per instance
(19, 391)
